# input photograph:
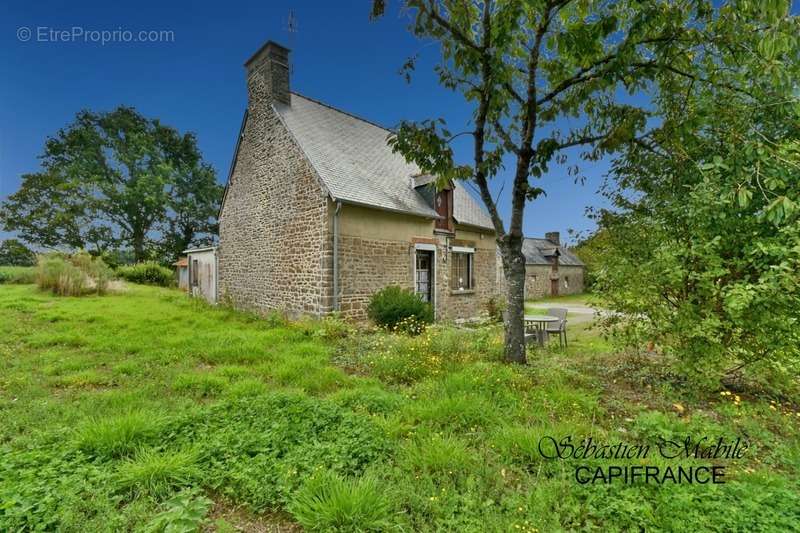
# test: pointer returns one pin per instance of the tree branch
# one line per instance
(508, 142)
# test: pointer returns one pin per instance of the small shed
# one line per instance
(202, 272)
(182, 269)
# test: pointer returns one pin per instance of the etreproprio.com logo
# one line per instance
(79, 34)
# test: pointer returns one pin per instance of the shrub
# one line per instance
(17, 274)
(495, 307)
(72, 275)
(58, 275)
(329, 502)
(95, 269)
(399, 309)
(149, 273)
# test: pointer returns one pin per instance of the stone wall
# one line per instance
(570, 279)
(538, 277)
(454, 305)
(538, 280)
(368, 265)
(274, 248)
(377, 249)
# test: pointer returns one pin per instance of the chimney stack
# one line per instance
(271, 63)
(554, 237)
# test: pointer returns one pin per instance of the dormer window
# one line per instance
(443, 203)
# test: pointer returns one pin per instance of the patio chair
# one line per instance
(560, 327)
(532, 335)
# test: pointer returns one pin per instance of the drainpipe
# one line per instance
(336, 256)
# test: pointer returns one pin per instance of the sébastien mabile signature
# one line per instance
(688, 448)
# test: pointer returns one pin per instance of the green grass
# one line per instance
(134, 411)
(17, 274)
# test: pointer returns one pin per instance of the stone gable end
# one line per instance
(273, 224)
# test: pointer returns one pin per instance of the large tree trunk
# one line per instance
(514, 272)
(138, 246)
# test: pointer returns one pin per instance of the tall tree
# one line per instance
(526, 67)
(702, 246)
(14, 253)
(116, 179)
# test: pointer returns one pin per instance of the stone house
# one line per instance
(319, 213)
(550, 269)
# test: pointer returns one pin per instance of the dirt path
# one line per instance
(578, 312)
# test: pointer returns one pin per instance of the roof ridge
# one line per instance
(342, 111)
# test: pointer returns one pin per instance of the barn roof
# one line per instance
(537, 252)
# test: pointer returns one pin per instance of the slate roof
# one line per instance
(357, 166)
(536, 252)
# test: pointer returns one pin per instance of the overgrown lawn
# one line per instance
(138, 410)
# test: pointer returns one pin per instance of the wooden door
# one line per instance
(444, 208)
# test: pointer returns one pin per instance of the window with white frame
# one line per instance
(462, 276)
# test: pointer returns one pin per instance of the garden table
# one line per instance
(539, 324)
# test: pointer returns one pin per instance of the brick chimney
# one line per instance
(268, 71)
(554, 237)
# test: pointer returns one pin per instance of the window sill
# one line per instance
(465, 291)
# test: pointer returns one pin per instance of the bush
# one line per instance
(14, 253)
(95, 268)
(72, 276)
(57, 275)
(399, 309)
(149, 273)
(17, 274)
(495, 307)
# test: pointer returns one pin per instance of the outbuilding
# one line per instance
(202, 272)
(550, 268)
(182, 269)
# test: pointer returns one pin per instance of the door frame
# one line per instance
(426, 248)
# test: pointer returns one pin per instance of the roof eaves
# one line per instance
(471, 225)
(431, 215)
(198, 250)
(233, 163)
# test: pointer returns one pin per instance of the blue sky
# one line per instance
(196, 81)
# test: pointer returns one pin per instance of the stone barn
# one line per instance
(550, 268)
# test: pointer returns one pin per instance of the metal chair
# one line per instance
(559, 327)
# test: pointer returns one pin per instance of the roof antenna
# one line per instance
(291, 28)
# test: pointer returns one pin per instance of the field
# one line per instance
(146, 410)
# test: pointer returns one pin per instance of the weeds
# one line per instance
(157, 474)
(17, 274)
(120, 435)
(119, 413)
(329, 502)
